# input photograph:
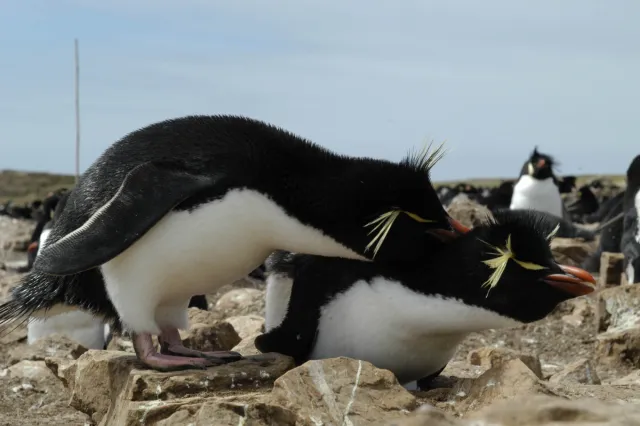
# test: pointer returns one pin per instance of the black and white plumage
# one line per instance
(184, 206)
(410, 318)
(536, 188)
(630, 241)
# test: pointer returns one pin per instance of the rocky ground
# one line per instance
(579, 366)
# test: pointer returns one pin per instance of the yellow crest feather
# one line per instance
(383, 224)
(499, 263)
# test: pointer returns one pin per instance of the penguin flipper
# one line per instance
(147, 193)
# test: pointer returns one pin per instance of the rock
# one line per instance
(339, 391)
(468, 212)
(112, 386)
(550, 411)
(247, 346)
(492, 357)
(618, 308)
(228, 413)
(619, 348)
(120, 343)
(504, 381)
(57, 346)
(241, 301)
(580, 310)
(610, 269)
(18, 244)
(247, 325)
(30, 394)
(219, 336)
(570, 251)
(426, 415)
(581, 371)
(632, 379)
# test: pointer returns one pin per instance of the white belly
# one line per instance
(188, 253)
(80, 326)
(277, 299)
(394, 328)
(541, 195)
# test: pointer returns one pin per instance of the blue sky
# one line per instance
(493, 78)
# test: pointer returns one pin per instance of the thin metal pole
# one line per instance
(77, 84)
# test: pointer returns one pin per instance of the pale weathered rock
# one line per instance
(219, 336)
(504, 381)
(618, 308)
(492, 357)
(247, 346)
(632, 379)
(113, 388)
(241, 301)
(247, 325)
(610, 269)
(619, 348)
(468, 212)
(31, 395)
(550, 411)
(570, 251)
(339, 391)
(581, 371)
(58, 346)
(580, 310)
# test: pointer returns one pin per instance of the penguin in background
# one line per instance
(187, 205)
(536, 187)
(630, 241)
(410, 318)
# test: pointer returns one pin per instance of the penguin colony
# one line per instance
(184, 206)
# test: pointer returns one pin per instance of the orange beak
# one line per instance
(32, 247)
(541, 163)
(576, 282)
(444, 235)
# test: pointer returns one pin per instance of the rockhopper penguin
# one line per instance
(536, 188)
(410, 318)
(630, 242)
(184, 206)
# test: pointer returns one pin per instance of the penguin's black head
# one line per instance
(507, 267)
(395, 211)
(539, 166)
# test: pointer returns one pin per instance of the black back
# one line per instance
(335, 193)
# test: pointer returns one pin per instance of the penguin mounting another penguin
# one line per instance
(187, 205)
(410, 318)
(630, 241)
(536, 187)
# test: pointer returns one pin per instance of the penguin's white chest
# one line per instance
(536, 194)
(410, 334)
(195, 252)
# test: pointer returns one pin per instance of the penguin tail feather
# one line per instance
(34, 297)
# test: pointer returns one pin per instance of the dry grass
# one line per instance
(27, 186)
(490, 182)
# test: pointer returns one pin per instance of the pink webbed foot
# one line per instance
(171, 344)
(146, 352)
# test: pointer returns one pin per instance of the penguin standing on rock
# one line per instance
(536, 188)
(187, 205)
(630, 242)
(410, 318)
